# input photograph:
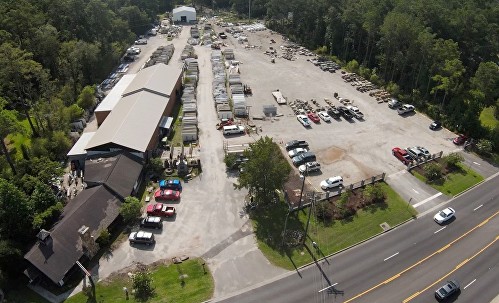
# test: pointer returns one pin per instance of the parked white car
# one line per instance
(332, 183)
(297, 151)
(309, 167)
(325, 116)
(303, 120)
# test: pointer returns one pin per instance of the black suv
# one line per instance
(304, 158)
(152, 222)
(345, 113)
(295, 144)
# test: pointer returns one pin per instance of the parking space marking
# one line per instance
(474, 209)
(391, 256)
(427, 200)
(440, 229)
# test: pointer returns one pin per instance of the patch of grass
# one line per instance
(196, 286)
(487, 117)
(454, 182)
(331, 236)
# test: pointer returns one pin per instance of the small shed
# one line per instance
(184, 14)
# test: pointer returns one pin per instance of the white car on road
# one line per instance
(444, 215)
(297, 151)
(325, 116)
(303, 120)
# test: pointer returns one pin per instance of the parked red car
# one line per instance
(160, 210)
(166, 195)
(314, 117)
(402, 155)
(460, 139)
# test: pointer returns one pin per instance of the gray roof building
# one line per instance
(96, 208)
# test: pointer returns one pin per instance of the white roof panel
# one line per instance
(159, 79)
(114, 95)
(80, 145)
(184, 8)
(132, 123)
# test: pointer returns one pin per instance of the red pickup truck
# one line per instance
(161, 210)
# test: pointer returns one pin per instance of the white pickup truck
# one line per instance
(355, 111)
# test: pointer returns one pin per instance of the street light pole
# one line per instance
(249, 10)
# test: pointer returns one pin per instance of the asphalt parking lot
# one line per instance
(354, 149)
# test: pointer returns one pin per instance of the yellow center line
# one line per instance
(424, 259)
(451, 272)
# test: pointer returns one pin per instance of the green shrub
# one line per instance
(104, 238)
(432, 171)
(452, 160)
(484, 147)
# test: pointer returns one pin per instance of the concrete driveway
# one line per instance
(209, 222)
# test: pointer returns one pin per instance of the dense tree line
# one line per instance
(52, 54)
(439, 55)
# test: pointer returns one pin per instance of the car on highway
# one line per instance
(303, 120)
(402, 155)
(166, 195)
(296, 143)
(459, 140)
(314, 117)
(141, 237)
(444, 215)
(160, 210)
(309, 167)
(426, 153)
(171, 184)
(447, 290)
(152, 222)
(324, 116)
(297, 151)
(332, 182)
(435, 125)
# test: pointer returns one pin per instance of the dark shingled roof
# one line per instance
(96, 208)
(119, 173)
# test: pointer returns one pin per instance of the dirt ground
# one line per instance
(356, 149)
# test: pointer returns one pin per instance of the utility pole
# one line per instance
(308, 220)
(249, 10)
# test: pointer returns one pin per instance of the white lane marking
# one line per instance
(328, 287)
(440, 229)
(476, 163)
(427, 199)
(391, 256)
(477, 207)
(415, 191)
(469, 284)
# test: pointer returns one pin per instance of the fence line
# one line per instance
(321, 196)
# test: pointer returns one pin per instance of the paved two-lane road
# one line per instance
(405, 261)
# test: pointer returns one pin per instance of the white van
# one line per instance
(233, 130)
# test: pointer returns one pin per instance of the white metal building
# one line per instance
(184, 14)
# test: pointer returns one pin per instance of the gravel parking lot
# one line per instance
(355, 150)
